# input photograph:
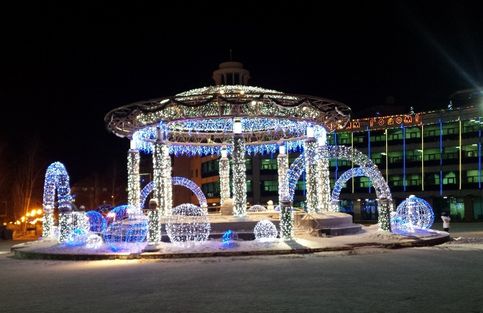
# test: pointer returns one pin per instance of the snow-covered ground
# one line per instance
(444, 278)
(370, 235)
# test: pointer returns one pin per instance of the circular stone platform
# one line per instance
(368, 237)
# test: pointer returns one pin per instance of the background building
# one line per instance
(435, 155)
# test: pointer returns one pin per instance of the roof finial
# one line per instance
(231, 56)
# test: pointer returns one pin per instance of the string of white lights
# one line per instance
(239, 186)
(224, 172)
(133, 179)
(310, 152)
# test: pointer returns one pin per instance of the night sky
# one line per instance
(71, 65)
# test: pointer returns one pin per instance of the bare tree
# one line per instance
(27, 174)
(4, 174)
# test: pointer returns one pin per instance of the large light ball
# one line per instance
(257, 208)
(413, 213)
(265, 231)
(188, 225)
(128, 234)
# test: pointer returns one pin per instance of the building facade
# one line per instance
(434, 155)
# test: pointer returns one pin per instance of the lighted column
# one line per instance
(310, 151)
(154, 234)
(224, 167)
(286, 211)
(133, 180)
(48, 222)
(167, 184)
(282, 163)
(384, 218)
(239, 186)
(323, 178)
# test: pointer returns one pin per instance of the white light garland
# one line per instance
(310, 152)
(224, 172)
(282, 164)
(323, 184)
(154, 234)
(133, 179)
(239, 186)
(188, 225)
(286, 220)
(167, 183)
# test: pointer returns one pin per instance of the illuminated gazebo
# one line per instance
(232, 120)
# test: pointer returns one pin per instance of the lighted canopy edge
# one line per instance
(204, 116)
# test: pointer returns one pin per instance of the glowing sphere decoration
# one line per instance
(188, 225)
(413, 213)
(97, 222)
(93, 241)
(265, 231)
(257, 208)
(127, 234)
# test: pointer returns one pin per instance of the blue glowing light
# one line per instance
(97, 222)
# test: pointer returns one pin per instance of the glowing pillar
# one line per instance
(282, 163)
(224, 167)
(310, 151)
(384, 218)
(323, 183)
(154, 233)
(167, 182)
(286, 220)
(239, 182)
(133, 180)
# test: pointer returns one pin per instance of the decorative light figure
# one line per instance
(188, 225)
(229, 239)
(265, 231)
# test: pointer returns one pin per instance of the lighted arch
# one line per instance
(384, 198)
(295, 171)
(340, 183)
(176, 181)
(57, 182)
(381, 187)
